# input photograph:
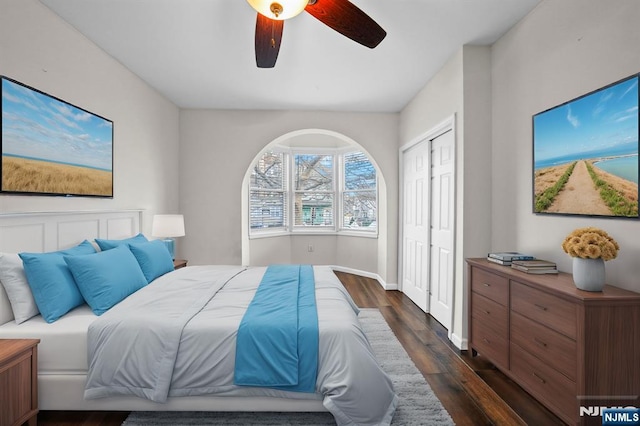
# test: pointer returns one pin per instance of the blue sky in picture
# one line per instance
(601, 124)
(38, 126)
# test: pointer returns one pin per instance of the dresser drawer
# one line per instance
(544, 383)
(490, 285)
(556, 313)
(490, 344)
(491, 314)
(550, 347)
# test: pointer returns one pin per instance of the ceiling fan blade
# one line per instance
(268, 37)
(347, 19)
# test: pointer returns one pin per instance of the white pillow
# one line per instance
(15, 284)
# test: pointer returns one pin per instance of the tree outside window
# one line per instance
(314, 189)
(268, 203)
(359, 201)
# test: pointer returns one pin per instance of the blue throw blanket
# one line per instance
(277, 341)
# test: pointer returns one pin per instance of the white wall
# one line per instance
(474, 204)
(356, 253)
(461, 88)
(39, 49)
(561, 50)
(217, 148)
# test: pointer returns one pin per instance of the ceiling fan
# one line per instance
(340, 15)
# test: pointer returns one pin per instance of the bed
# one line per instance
(350, 384)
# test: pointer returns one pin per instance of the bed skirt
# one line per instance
(66, 392)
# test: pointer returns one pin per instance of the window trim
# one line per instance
(342, 190)
(284, 191)
(338, 185)
(293, 191)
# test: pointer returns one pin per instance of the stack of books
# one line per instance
(506, 257)
(537, 266)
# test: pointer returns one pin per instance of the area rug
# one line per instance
(417, 403)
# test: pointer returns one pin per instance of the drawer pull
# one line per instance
(486, 284)
(539, 342)
(544, 308)
(539, 378)
(486, 341)
(487, 312)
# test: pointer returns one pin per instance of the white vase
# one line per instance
(588, 274)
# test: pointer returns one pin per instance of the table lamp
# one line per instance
(167, 227)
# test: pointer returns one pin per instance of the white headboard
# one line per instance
(50, 231)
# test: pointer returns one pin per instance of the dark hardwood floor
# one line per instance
(471, 389)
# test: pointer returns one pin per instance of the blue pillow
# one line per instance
(109, 244)
(51, 282)
(153, 257)
(106, 277)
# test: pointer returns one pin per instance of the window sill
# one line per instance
(346, 233)
(363, 234)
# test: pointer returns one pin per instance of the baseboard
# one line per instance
(459, 343)
(386, 286)
(390, 286)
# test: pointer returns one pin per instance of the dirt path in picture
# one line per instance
(579, 195)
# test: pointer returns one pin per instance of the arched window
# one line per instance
(305, 190)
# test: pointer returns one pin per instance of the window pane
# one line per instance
(314, 172)
(359, 173)
(360, 210)
(268, 172)
(313, 209)
(267, 209)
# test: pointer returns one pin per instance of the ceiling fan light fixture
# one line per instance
(280, 9)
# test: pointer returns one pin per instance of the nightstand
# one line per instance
(179, 263)
(19, 381)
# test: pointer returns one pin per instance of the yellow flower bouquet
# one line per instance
(590, 243)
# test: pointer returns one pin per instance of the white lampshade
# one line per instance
(168, 226)
(279, 9)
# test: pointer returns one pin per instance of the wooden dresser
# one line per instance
(18, 381)
(566, 347)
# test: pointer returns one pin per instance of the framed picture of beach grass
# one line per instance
(585, 154)
(51, 147)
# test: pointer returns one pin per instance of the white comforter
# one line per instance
(176, 337)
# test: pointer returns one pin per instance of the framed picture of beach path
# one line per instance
(585, 154)
(51, 147)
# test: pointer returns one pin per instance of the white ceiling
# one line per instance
(200, 53)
